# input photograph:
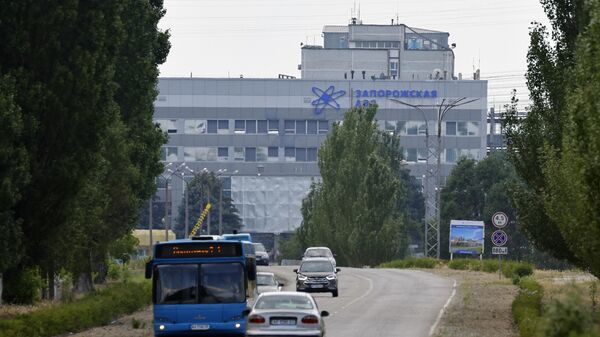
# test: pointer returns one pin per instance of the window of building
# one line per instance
(301, 127)
(450, 128)
(239, 126)
(290, 126)
(273, 126)
(261, 153)
(411, 155)
(223, 154)
(250, 126)
(323, 127)
(395, 45)
(167, 125)
(467, 128)
(223, 126)
(434, 44)
(422, 155)
(388, 45)
(394, 65)
(415, 127)
(238, 153)
(273, 153)
(250, 154)
(300, 154)
(191, 154)
(194, 126)
(372, 44)
(312, 127)
(261, 126)
(290, 154)
(212, 126)
(169, 153)
(311, 154)
(451, 156)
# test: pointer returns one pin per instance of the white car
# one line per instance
(285, 313)
(311, 252)
(267, 282)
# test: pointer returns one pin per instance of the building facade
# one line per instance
(269, 131)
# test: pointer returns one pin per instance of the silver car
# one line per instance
(267, 282)
(312, 252)
(287, 314)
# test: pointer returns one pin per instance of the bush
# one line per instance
(98, 308)
(567, 318)
(22, 286)
(527, 306)
(465, 264)
(412, 262)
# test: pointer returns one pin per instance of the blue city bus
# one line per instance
(201, 287)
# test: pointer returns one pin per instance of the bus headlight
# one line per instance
(161, 327)
(237, 325)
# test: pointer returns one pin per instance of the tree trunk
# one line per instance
(0, 289)
(51, 293)
(84, 283)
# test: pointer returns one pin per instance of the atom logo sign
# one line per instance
(326, 98)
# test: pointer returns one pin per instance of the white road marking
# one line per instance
(363, 295)
(439, 317)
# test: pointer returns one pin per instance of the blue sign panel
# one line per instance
(326, 98)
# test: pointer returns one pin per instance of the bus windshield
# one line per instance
(200, 283)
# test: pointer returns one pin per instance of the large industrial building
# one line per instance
(270, 130)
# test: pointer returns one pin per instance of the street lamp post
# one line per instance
(432, 228)
(186, 197)
(168, 176)
(221, 200)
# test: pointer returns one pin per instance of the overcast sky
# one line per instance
(261, 38)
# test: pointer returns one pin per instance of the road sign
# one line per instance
(500, 219)
(499, 238)
(499, 250)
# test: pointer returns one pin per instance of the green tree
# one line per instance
(573, 174)
(355, 209)
(475, 191)
(550, 145)
(85, 75)
(13, 176)
(198, 189)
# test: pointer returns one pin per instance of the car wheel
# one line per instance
(335, 293)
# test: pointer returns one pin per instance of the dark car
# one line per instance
(262, 257)
(317, 275)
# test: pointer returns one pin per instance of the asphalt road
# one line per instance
(379, 302)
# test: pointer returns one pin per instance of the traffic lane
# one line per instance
(400, 303)
(381, 302)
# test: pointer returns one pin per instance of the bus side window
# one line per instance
(251, 268)
(149, 269)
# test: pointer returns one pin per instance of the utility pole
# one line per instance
(208, 215)
(166, 209)
(433, 176)
(221, 209)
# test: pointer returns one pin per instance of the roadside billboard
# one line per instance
(466, 237)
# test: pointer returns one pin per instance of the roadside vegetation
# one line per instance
(99, 307)
(510, 269)
(571, 312)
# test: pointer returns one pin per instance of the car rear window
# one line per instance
(284, 302)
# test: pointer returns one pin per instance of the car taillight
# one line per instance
(256, 319)
(310, 319)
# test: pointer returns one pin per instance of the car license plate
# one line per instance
(316, 286)
(283, 322)
(200, 327)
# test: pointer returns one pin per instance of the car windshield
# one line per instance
(266, 280)
(205, 283)
(318, 253)
(284, 302)
(259, 247)
(316, 267)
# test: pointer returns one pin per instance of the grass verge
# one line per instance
(98, 308)
(527, 306)
(412, 262)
